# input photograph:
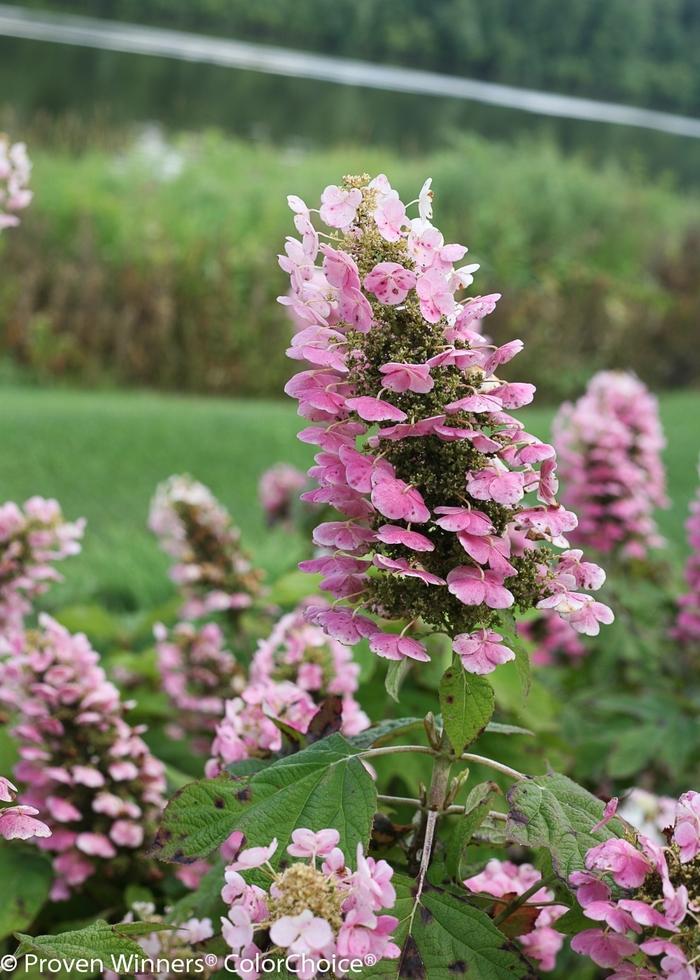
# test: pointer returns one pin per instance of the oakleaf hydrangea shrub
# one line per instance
(300, 652)
(32, 538)
(291, 674)
(609, 444)
(198, 675)
(211, 568)
(317, 913)
(448, 510)
(85, 768)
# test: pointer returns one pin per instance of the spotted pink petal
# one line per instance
(477, 308)
(340, 268)
(390, 282)
(502, 355)
(481, 652)
(354, 308)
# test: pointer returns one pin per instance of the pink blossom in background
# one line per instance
(553, 639)
(304, 654)
(317, 907)
(506, 880)
(687, 626)
(247, 729)
(642, 898)
(278, 490)
(650, 814)
(403, 440)
(609, 445)
(87, 771)
(198, 675)
(32, 537)
(15, 171)
(212, 571)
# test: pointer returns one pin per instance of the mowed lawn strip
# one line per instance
(101, 453)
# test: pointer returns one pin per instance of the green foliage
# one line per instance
(442, 936)
(98, 941)
(585, 258)
(324, 785)
(467, 703)
(553, 812)
(26, 878)
(476, 809)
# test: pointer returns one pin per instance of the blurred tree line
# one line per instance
(645, 52)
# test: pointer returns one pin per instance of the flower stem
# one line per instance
(492, 764)
(521, 900)
(389, 749)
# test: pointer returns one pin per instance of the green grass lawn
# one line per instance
(102, 454)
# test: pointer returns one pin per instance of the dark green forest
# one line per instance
(645, 52)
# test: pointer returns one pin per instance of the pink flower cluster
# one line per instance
(15, 170)
(248, 730)
(447, 508)
(318, 918)
(687, 626)
(169, 948)
(18, 821)
(299, 652)
(647, 898)
(278, 489)
(506, 880)
(292, 670)
(32, 537)
(553, 639)
(198, 675)
(609, 444)
(87, 771)
(211, 568)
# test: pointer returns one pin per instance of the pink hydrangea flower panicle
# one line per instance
(211, 568)
(412, 447)
(15, 171)
(99, 794)
(644, 898)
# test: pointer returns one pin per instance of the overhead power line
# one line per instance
(111, 35)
